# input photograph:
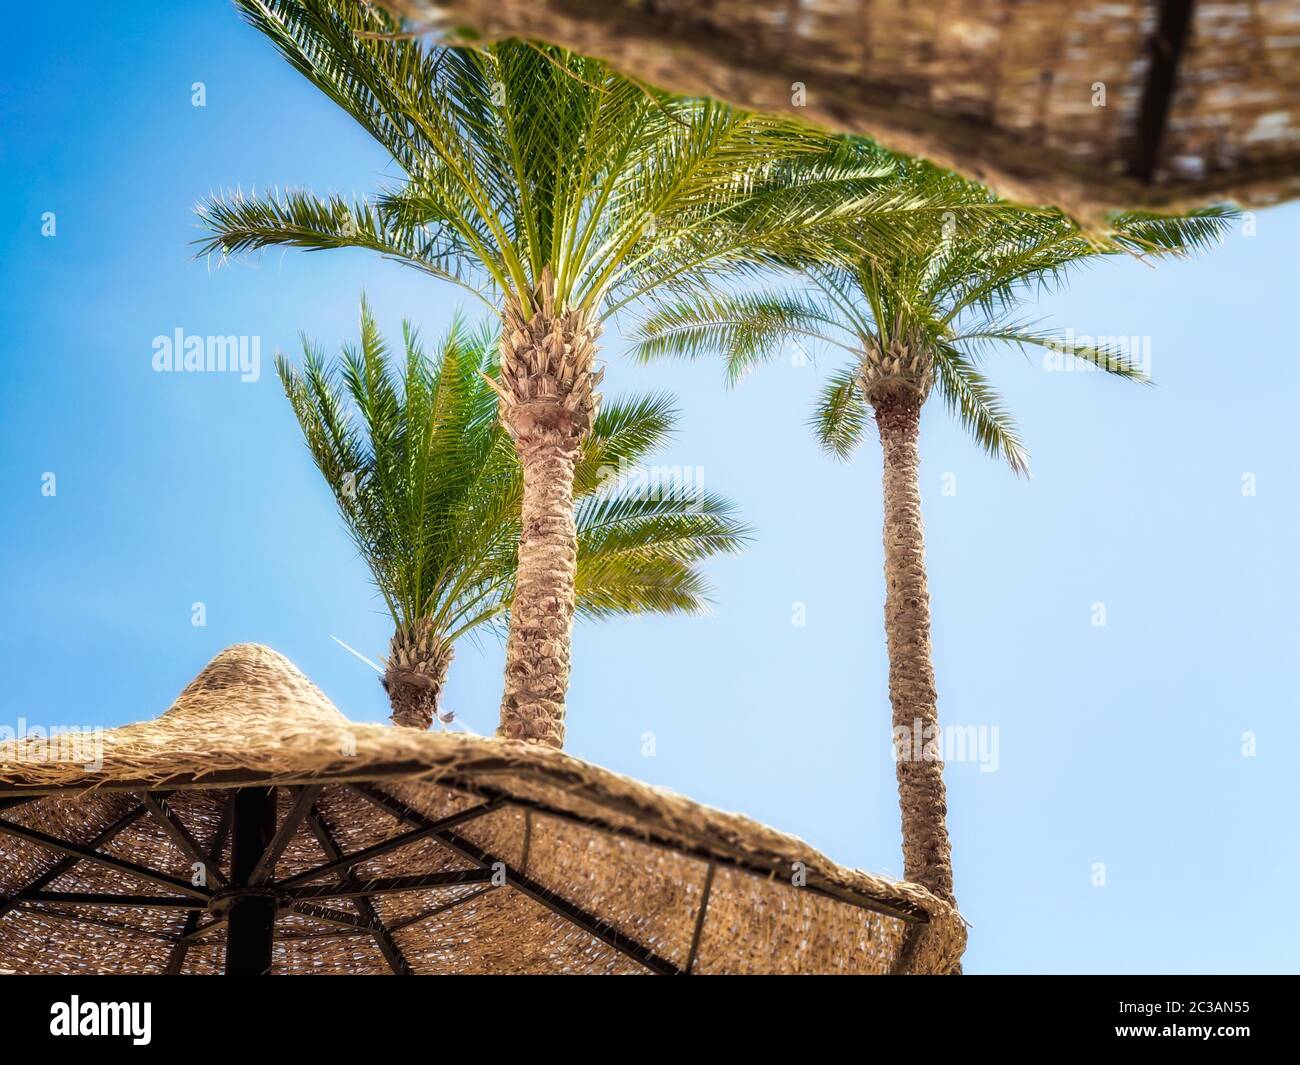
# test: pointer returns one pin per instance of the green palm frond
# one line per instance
(241, 222)
(639, 586)
(968, 262)
(637, 552)
(621, 436)
(841, 415)
(521, 158)
(430, 488)
(971, 399)
(745, 328)
(1151, 233)
(1113, 358)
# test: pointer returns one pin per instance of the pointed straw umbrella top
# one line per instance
(391, 850)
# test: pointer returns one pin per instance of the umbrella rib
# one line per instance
(383, 936)
(699, 918)
(176, 958)
(292, 822)
(105, 898)
(528, 841)
(557, 904)
(391, 885)
(179, 835)
(191, 931)
(331, 916)
(342, 861)
(900, 910)
(223, 831)
(193, 935)
(442, 908)
(355, 933)
(141, 872)
(86, 918)
(64, 864)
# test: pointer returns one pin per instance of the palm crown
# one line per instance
(922, 314)
(527, 164)
(912, 319)
(558, 192)
(430, 488)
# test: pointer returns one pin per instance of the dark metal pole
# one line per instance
(252, 916)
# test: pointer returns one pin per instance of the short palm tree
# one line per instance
(911, 320)
(430, 489)
(560, 192)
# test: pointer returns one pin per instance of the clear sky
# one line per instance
(1120, 744)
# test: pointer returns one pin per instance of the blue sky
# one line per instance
(1119, 744)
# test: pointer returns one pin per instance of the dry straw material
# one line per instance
(1092, 105)
(411, 852)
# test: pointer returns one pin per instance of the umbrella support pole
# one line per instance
(250, 914)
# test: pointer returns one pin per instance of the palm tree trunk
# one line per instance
(548, 402)
(415, 673)
(541, 614)
(927, 854)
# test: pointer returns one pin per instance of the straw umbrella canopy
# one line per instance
(252, 828)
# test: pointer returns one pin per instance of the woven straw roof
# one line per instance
(1202, 100)
(603, 874)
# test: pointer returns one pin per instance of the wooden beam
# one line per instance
(527, 848)
(176, 831)
(556, 903)
(1166, 48)
(176, 956)
(902, 911)
(383, 936)
(191, 931)
(200, 930)
(434, 911)
(152, 876)
(332, 916)
(102, 922)
(223, 779)
(298, 937)
(288, 828)
(344, 861)
(100, 898)
(390, 885)
(64, 864)
(699, 918)
(223, 829)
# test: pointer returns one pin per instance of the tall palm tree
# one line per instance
(431, 490)
(911, 320)
(559, 192)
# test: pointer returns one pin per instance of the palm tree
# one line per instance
(559, 192)
(910, 320)
(430, 489)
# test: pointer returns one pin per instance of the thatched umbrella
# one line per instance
(1092, 105)
(252, 828)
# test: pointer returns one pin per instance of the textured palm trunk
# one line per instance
(927, 853)
(414, 676)
(541, 615)
(548, 402)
